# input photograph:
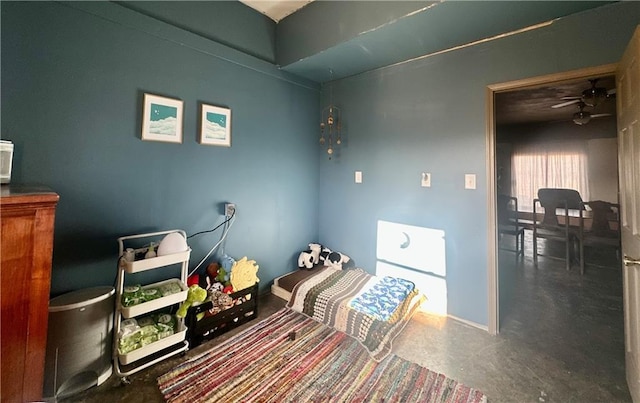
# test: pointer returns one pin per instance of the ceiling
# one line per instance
(534, 105)
(276, 9)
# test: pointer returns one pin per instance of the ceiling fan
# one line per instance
(589, 97)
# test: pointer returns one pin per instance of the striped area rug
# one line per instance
(263, 364)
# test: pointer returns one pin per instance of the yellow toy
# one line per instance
(244, 274)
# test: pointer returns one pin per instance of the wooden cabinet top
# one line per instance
(15, 195)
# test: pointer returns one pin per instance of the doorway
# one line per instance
(494, 272)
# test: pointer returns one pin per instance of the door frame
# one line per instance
(493, 293)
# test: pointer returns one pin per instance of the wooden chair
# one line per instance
(601, 232)
(508, 223)
(551, 228)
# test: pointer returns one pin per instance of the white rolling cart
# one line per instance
(150, 354)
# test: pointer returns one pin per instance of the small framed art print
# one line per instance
(215, 126)
(162, 119)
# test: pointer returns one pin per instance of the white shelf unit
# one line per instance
(143, 357)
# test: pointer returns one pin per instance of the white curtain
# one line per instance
(551, 165)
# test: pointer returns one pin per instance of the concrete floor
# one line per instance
(561, 335)
(561, 339)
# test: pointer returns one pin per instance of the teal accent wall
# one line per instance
(429, 115)
(73, 78)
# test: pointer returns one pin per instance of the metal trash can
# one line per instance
(79, 341)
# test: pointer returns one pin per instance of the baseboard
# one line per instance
(468, 322)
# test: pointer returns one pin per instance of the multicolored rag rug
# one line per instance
(289, 357)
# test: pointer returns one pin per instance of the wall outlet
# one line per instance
(426, 180)
(229, 209)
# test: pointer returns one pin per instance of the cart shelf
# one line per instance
(156, 262)
(150, 306)
(145, 356)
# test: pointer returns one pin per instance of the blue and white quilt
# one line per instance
(381, 297)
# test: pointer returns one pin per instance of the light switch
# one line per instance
(426, 180)
(470, 181)
(358, 176)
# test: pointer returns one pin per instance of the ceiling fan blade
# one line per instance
(600, 115)
(563, 104)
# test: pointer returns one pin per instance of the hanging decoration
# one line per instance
(331, 125)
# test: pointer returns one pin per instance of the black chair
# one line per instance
(551, 228)
(508, 222)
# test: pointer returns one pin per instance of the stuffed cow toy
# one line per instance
(310, 257)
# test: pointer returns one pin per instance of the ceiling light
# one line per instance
(594, 95)
(581, 118)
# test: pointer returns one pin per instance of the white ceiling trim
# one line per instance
(276, 9)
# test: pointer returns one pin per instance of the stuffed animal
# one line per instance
(217, 286)
(323, 255)
(336, 260)
(223, 275)
(195, 295)
(244, 274)
(310, 257)
(333, 259)
(193, 279)
(315, 248)
(210, 281)
(227, 263)
(220, 302)
(305, 260)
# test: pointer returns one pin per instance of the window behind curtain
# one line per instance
(554, 165)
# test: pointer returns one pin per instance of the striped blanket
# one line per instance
(326, 296)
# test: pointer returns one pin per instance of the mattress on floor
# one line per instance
(283, 285)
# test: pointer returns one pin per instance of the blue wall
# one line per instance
(428, 115)
(73, 76)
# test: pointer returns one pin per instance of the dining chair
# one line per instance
(605, 225)
(508, 223)
(551, 228)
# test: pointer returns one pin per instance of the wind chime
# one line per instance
(331, 124)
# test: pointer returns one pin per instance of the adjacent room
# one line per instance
(378, 137)
(545, 139)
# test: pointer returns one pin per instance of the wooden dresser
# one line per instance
(26, 219)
